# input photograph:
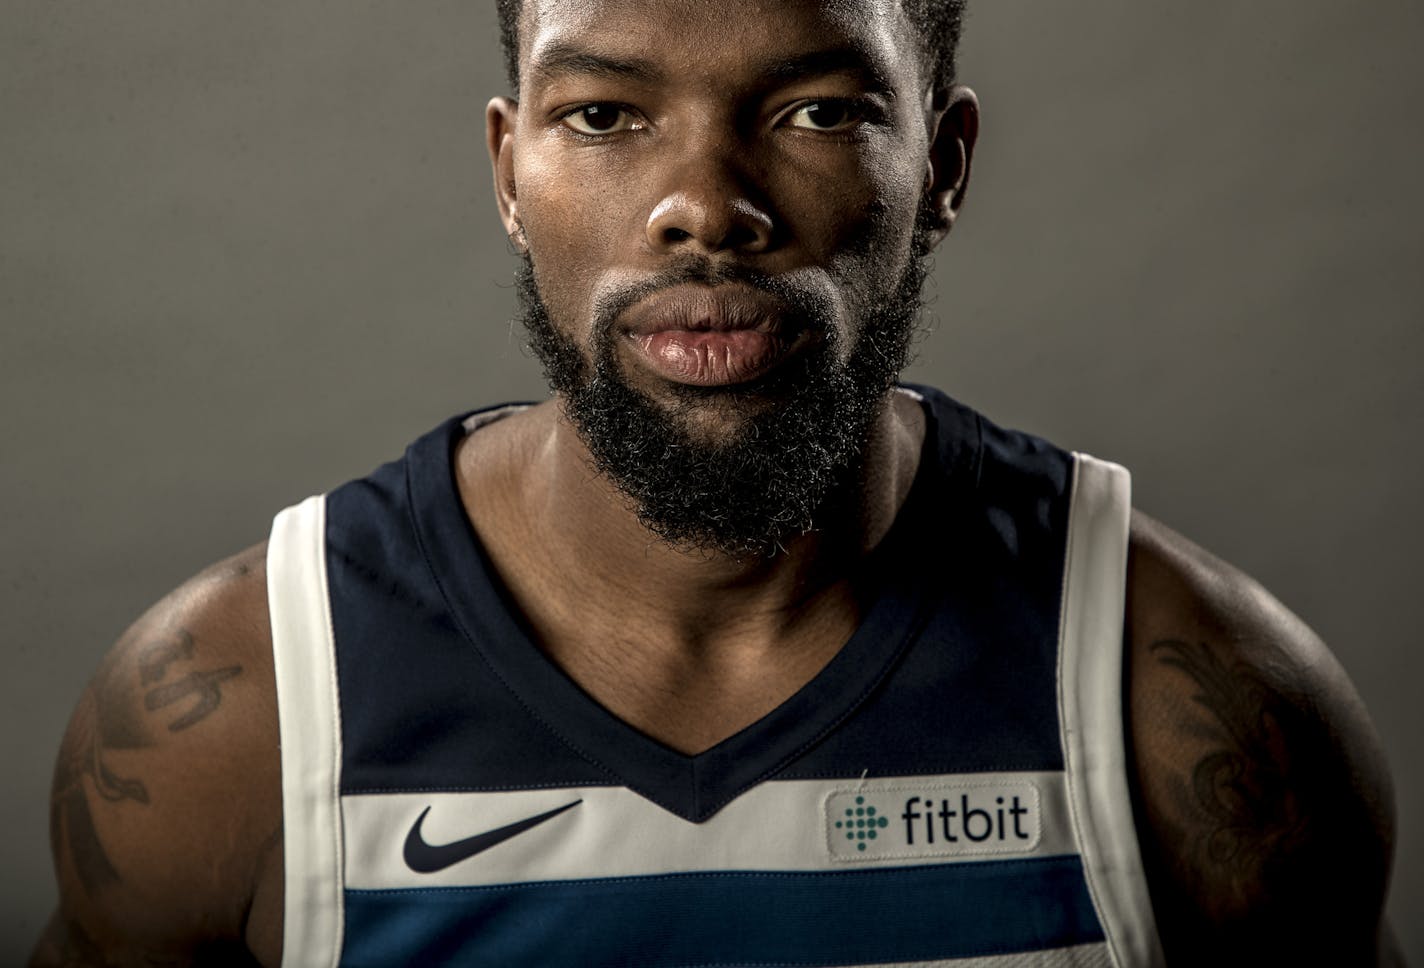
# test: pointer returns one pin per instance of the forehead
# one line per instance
(712, 39)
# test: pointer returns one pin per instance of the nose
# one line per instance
(707, 207)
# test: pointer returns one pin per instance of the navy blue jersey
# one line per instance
(949, 789)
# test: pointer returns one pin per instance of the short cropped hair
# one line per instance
(938, 24)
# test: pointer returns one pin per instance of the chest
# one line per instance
(690, 695)
(900, 803)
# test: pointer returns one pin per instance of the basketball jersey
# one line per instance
(949, 790)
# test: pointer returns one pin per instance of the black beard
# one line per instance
(798, 455)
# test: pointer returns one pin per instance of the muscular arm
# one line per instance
(165, 815)
(1263, 799)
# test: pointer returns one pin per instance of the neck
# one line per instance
(591, 524)
(688, 646)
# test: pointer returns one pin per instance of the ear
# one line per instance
(952, 115)
(501, 114)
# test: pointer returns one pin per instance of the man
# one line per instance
(734, 652)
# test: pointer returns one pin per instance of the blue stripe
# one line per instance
(731, 918)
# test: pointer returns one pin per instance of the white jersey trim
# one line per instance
(1094, 955)
(1092, 710)
(779, 825)
(303, 649)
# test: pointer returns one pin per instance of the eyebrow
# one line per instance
(561, 59)
(564, 59)
(849, 59)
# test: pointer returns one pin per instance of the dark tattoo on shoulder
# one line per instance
(105, 721)
(153, 664)
(1246, 791)
(111, 718)
(202, 686)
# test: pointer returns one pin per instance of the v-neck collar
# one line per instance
(693, 787)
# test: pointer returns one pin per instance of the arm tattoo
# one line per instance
(153, 671)
(108, 719)
(204, 685)
(104, 721)
(153, 664)
(1245, 793)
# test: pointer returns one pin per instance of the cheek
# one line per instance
(570, 230)
(859, 205)
(873, 244)
(872, 240)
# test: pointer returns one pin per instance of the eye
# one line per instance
(829, 115)
(596, 119)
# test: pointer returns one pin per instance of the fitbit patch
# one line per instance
(932, 820)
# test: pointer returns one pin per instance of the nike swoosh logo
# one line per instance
(426, 858)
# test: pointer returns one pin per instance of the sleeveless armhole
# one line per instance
(1092, 711)
(304, 656)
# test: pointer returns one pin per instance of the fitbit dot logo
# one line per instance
(941, 820)
(862, 824)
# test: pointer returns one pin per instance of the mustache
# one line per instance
(804, 306)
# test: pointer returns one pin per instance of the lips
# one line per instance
(704, 336)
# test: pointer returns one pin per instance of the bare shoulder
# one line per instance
(1263, 799)
(165, 818)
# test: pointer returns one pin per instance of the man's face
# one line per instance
(719, 202)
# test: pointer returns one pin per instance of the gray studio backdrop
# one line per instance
(247, 251)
